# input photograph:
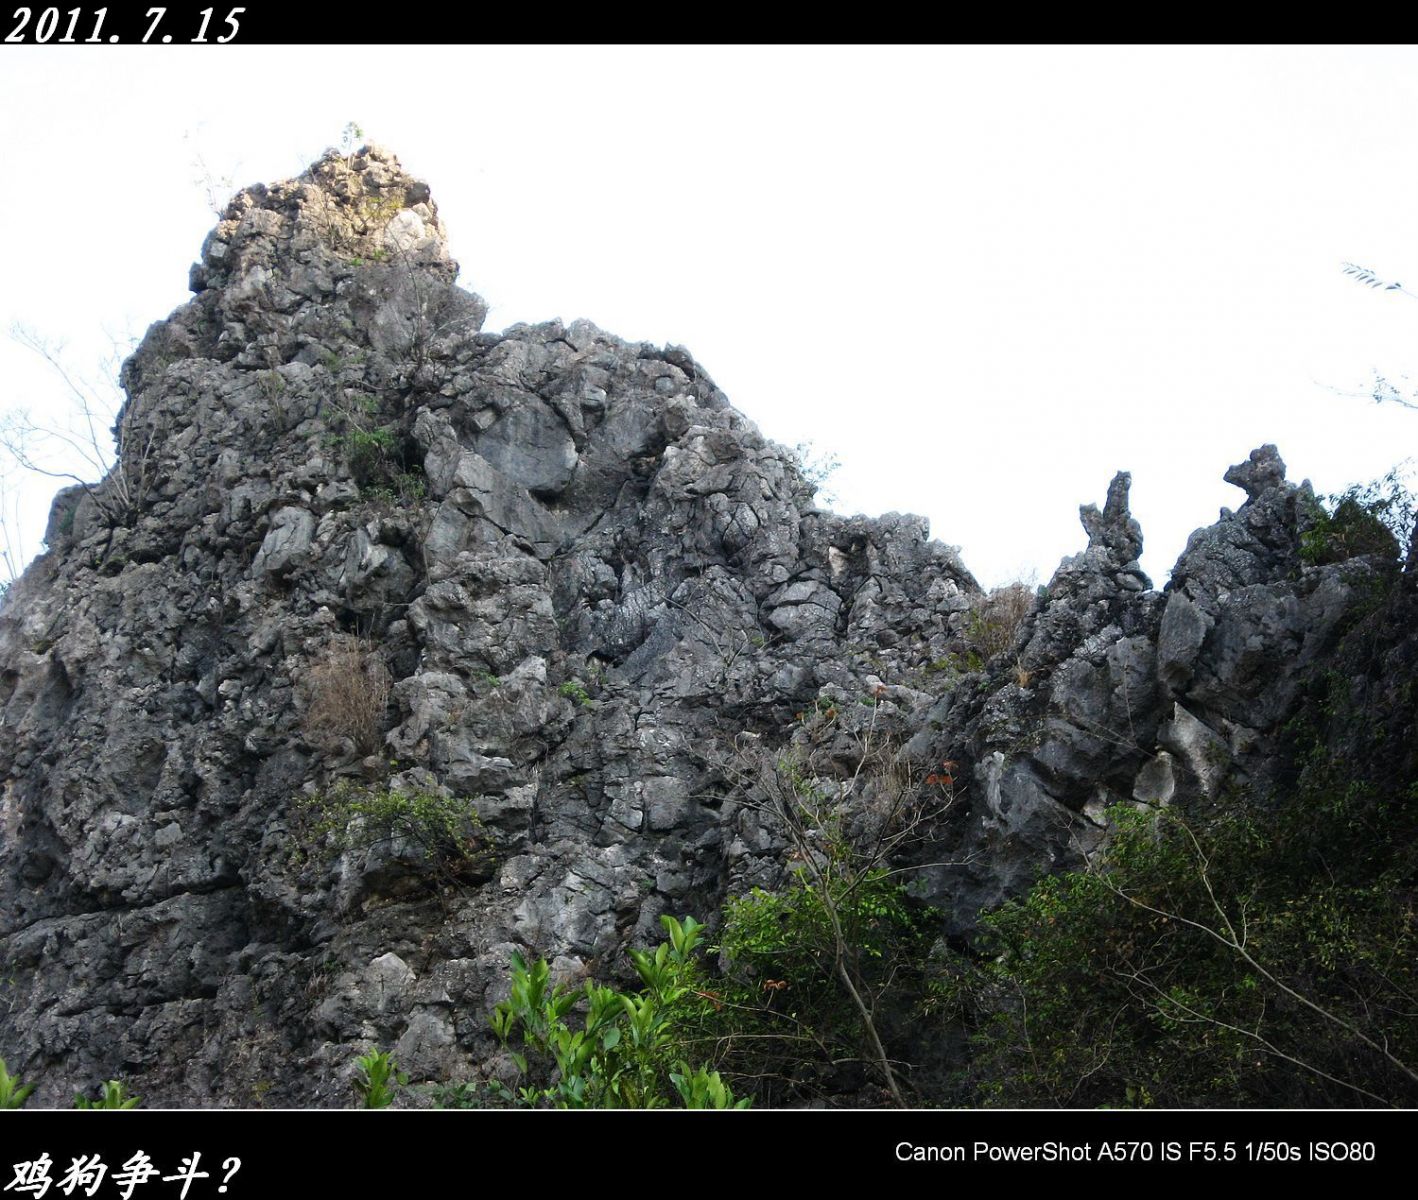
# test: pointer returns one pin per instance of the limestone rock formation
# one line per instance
(354, 538)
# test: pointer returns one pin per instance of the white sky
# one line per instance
(985, 278)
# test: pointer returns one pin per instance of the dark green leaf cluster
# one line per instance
(1374, 518)
(786, 1018)
(1266, 957)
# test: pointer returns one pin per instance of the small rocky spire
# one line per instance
(1263, 470)
(1115, 529)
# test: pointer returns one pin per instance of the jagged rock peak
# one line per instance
(357, 547)
(1115, 529)
(1263, 470)
(361, 207)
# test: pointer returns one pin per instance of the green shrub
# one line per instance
(787, 1017)
(626, 1049)
(1367, 519)
(823, 973)
(1266, 958)
(704, 1089)
(372, 447)
(575, 691)
(349, 817)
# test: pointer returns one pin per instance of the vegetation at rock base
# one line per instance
(786, 1017)
(114, 1094)
(1263, 952)
(13, 1093)
(1200, 970)
(378, 1079)
(596, 1047)
(820, 971)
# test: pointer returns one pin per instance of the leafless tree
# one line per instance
(100, 444)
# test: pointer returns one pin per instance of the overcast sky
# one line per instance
(985, 279)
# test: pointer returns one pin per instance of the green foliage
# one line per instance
(821, 975)
(367, 450)
(787, 1017)
(575, 691)
(402, 487)
(114, 1094)
(471, 1094)
(1374, 518)
(596, 1047)
(378, 1079)
(1267, 958)
(704, 1089)
(348, 817)
(13, 1094)
(371, 446)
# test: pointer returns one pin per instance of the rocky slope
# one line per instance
(353, 538)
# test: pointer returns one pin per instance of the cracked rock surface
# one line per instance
(576, 578)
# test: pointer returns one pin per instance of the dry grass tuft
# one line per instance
(996, 620)
(349, 693)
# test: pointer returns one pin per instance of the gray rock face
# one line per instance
(584, 578)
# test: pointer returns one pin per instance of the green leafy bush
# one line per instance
(575, 691)
(1367, 519)
(704, 1089)
(373, 447)
(822, 974)
(627, 1049)
(446, 829)
(788, 1018)
(1268, 957)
